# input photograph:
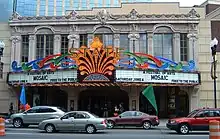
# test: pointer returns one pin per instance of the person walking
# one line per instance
(116, 110)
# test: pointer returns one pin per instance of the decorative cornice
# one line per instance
(103, 17)
(15, 38)
(133, 36)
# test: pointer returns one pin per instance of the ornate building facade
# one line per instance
(166, 32)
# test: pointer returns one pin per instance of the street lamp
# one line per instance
(213, 46)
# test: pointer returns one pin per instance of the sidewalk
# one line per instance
(163, 122)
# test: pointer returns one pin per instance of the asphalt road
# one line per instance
(156, 133)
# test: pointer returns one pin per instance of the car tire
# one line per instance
(90, 129)
(50, 128)
(17, 123)
(183, 129)
(110, 124)
(146, 125)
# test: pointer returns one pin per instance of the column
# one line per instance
(133, 46)
(133, 95)
(55, 7)
(38, 8)
(73, 41)
(116, 40)
(46, 8)
(176, 47)
(32, 48)
(16, 48)
(96, 3)
(150, 43)
(57, 44)
(193, 98)
(80, 4)
(192, 50)
(88, 4)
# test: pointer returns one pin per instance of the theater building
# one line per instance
(88, 59)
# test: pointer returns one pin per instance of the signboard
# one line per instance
(157, 77)
(43, 77)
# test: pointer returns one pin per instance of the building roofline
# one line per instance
(210, 2)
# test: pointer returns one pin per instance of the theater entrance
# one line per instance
(101, 101)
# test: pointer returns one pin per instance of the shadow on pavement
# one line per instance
(190, 133)
(68, 132)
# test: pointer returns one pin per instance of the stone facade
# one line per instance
(132, 19)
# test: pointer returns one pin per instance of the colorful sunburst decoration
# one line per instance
(95, 63)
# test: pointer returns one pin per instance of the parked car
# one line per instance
(35, 115)
(197, 120)
(133, 118)
(74, 121)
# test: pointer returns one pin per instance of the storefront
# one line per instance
(92, 78)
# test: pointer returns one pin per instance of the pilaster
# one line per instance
(16, 48)
(32, 48)
(117, 40)
(90, 39)
(57, 44)
(150, 43)
(193, 51)
(73, 40)
(176, 47)
(133, 42)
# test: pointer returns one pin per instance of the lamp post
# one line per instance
(2, 46)
(213, 46)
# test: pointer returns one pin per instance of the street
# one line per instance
(131, 133)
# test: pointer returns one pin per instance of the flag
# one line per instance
(149, 94)
(23, 96)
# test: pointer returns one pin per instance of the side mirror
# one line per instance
(25, 112)
(119, 116)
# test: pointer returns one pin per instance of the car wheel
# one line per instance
(111, 124)
(183, 129)
(146, 125)
(49, 128)
(17, 123)
(90, 129)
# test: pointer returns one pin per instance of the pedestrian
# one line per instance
(121, 108)
(27, 107)
(11, 109)
(116, 110)
(105, 111)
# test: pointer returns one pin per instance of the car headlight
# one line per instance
(172, 121)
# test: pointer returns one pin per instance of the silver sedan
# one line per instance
(74, 121)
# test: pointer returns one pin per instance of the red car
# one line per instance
(197, 120)
(133, 118)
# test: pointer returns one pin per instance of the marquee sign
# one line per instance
(43, 77)
(157, 77)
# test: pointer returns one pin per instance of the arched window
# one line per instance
(163, 42)
(44, 43)
(105, 35)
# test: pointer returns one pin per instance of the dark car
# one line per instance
(197, 120)
(133, 118)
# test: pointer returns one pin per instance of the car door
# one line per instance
(46, 113)
(200, 121)
(137, 119)
(66, 122)
(125, 118)
(31, 116)
(214, 115)
(80, 120)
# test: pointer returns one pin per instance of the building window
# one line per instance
(143, 43)
(184, 47)
(83, 40)
(163, 45)
(25, 48)
(1, 70)
(124, 42)
(106, 39)
(64, 44)
(44, 45)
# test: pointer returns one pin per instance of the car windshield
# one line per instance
(192, 113)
